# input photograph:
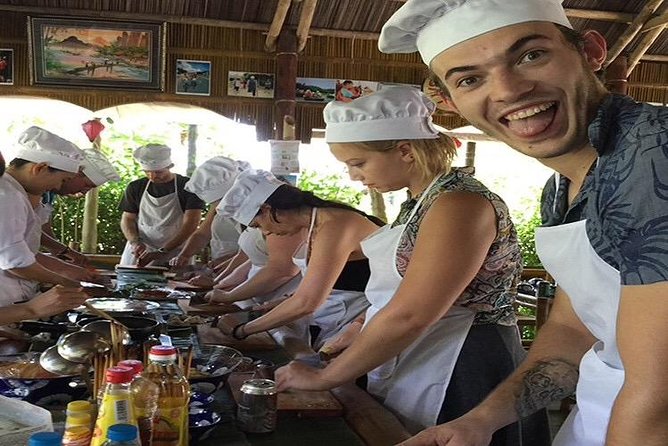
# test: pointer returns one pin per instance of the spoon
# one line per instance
(51, 361)
(81, 346)
(103, 328)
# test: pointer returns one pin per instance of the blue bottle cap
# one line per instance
(45, 439)
(122, 432)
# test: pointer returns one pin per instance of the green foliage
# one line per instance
(526, 225)
(329, 187)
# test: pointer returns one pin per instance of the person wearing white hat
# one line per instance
(42, 163)
(210, 181)
(518, 71)
(334, 270)
(158, 213)
(54, 301)
(441, 331)
(95, 171)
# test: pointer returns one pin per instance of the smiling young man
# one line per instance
(519, 72)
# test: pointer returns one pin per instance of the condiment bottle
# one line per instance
(116, 407)
(171, 421)
(45, 439)
(79, 406)
(122, 435)
(78, 429)
(145, 395)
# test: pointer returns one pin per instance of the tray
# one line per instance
(121, 305)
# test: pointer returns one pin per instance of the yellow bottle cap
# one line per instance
(78, 406)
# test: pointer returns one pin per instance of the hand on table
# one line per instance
(147, 257)
(268, 306)
(179, 260)
(297, 375)
(138, 249)
(75, 258)
(227, 323)
(334, 346)
(202, 281)
(463, 431)
(218, 297)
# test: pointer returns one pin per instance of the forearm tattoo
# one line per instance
(547, 381)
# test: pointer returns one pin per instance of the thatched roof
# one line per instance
(338, 40)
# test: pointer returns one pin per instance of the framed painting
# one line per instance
(6, 66)
(95, 53)
(254, 85)
(193, 77)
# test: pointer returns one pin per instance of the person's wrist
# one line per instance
(238, 332)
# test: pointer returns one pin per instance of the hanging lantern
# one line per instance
(92, 128)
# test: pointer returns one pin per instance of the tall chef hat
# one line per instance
(214, 177)
(97, 167)
(433, 26)
(153, 156)
(41, 146)
(250, 190)
(393, 112)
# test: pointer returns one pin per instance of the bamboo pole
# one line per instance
(305, 20)
(656, 22)
(645, 42)
(276, 25)
(89, 226)
(629, 34)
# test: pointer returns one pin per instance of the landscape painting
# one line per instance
(97, 53)
(193, 77)
(315, 90)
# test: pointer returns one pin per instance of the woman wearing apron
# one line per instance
(210, 181)
(441, 331)
(334, 270)
(156, 225)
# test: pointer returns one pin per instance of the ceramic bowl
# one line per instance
(201, 423)
(200, 400)
(211, 366)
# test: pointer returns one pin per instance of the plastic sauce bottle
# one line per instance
(45, 439)
(78, 429)
(144, 400)
(171, 421)
(116, 407)
(122, 435)
(79, 406)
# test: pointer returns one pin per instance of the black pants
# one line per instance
(490, 353)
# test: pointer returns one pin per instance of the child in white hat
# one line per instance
(519, 72)
(333, 268)
(441, 331)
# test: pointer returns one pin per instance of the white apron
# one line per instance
(341, 306)
(412, 384)
(224, 237)
(594, 289)
(159, 219)
(253, 244)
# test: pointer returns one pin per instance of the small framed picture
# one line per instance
(6, 66)
(193, 77)
(253, 85)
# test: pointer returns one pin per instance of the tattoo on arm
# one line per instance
(550, 380)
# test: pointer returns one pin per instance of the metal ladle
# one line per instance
(51, 361)
(103, 328)
(81, 346)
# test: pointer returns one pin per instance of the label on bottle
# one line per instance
(115, 409)
(170, 422)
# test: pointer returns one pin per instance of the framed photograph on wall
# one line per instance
(315, 90)
(247, 84)
(97, 53)
(348, 90)
(193, 77)
(6, 66)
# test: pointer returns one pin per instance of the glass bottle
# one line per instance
(171, 421)
(122, 435)
(144, 399)
(116, 407)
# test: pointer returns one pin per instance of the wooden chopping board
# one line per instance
(302, 402)
(185, 286)
(256, 342)
(208, 310)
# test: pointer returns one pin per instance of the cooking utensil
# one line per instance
(51, 361)
(101, 313)
(81, 346)
(103, 328)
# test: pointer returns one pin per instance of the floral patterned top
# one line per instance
(492, 292)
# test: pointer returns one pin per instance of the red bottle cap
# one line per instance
(136, 366)
(119, 375)
(162, 350)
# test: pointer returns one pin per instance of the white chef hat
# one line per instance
(41, 146)
(250, 190)
(393, 112)
(433, 26)
(214, 177)
(97, 167)
(153, 156)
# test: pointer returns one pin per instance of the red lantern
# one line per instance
(92, 128)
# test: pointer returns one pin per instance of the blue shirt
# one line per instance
(625, 196)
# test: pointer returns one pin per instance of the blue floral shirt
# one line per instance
(625, 196)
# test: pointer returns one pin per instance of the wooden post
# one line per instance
(616, 75)
(89, 226)
(192, 149)
(377, 204)
(286, 80)
(470, 154)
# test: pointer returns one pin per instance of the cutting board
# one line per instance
(207, 309)
(185, 286)
(255, 342)
(302, 402)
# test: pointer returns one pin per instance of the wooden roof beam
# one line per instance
(634, 28)
(646, 41)
(277, 24)
(305, 20)
(656, 22)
